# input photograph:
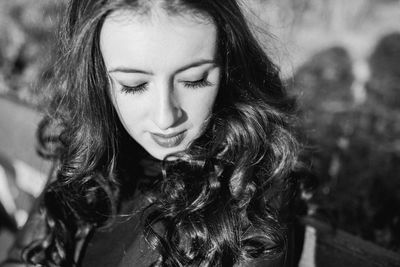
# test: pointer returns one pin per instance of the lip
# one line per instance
(168, 140)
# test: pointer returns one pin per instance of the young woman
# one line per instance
(172, 138)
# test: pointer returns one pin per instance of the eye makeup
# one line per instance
(191, 80)
(197, 84)
(134, 89)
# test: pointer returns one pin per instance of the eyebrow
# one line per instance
(186, 67)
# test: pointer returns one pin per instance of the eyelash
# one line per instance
(134, 89)
(188, 84)
(198, 84)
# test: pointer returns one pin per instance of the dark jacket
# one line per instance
(121, 245)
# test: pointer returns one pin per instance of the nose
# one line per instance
(167, 111)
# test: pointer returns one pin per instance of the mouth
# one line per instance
(168, 140)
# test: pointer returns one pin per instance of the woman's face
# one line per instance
(164, 76)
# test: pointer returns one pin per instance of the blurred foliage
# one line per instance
(355, 147)
(354, 144)
(27, 35)
(384, 84)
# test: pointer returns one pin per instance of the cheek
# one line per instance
(200, 106)
(128, 112)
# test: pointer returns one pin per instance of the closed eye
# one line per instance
(197, 84)
(137, 89)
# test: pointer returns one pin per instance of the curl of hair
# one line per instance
(228, 197)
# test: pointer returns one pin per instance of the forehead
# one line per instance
(157, 40)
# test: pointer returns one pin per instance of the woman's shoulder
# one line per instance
(123, 242)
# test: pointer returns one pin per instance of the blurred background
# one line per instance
(340, 58)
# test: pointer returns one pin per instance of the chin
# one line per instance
(163, 153)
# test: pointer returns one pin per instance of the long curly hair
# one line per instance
(229, 196)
